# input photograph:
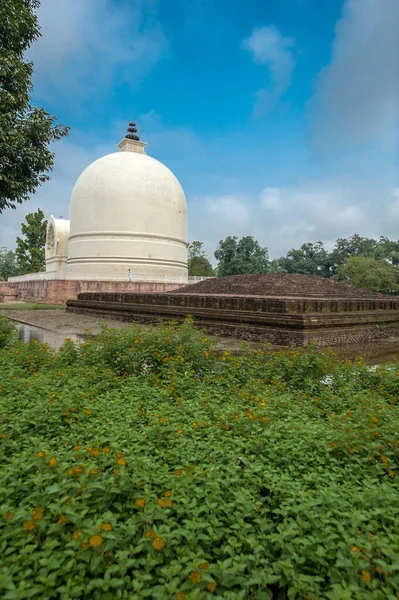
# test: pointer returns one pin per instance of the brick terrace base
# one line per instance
(59, 291)
(281, 321)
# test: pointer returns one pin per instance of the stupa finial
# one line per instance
(132, 132)
(131, 141)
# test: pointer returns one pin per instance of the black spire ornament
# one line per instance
(132, 132)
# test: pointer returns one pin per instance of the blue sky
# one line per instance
(279, 117)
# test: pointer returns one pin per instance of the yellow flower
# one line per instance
(95, 541)
(53, 462)
(86, 412)
(41, 454)
(79, 470)
(94, 471)
(119, 455)
(195, 577)
(355, 549)
(62, 520)
(158, 543)
(140, 502)
(180, 595)
(28, 526)
(391, 473)
(106, 527)
(10, 515)
(168, 494)
(203, 566)
(150, 534)
(178, 472)
(77, 534)
(95, 453)
(366, 576)
(70, 472)
(121, 462)
(164, 503)
(106, 449)
(37, 514)
(211, 587)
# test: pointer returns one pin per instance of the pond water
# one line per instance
(54, 339)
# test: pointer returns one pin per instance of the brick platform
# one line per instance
(282, 321)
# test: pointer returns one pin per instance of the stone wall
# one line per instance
(283, 321)
(59, 291)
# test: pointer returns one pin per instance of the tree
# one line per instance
(354, 245)
(30, 251)
(370, 273)
(309, 259)
(198, 263)
(388, 249)
(239, 257)
(25, 130)
(8, 264)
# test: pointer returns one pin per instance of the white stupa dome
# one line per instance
(128, 211)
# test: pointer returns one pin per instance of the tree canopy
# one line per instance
(198, 263)
(25, 130)
(309, 259)
(8, 263)
(239, 257)
(370, 273)
(30, 251)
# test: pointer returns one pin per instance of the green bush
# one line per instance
(141, 464)
(7, 332)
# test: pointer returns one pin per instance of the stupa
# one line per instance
(127, 227)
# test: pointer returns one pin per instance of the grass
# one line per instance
(142, 464)
(30, 306)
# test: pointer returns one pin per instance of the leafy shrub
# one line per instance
(143, 465)
(7, 331)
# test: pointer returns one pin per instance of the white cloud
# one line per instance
(286, 217)
(356, 96)
(268, 47)
(88, 46)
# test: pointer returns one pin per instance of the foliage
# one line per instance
(141, 464)
(239, 257)
(389, 250)
(198, 263)
(30, 251)
(25, 130)
(354, 245)
(8, 264)
(313, 259)
(7, 332)
(370, 273)
(309, 259)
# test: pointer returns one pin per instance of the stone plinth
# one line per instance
(282, 321)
